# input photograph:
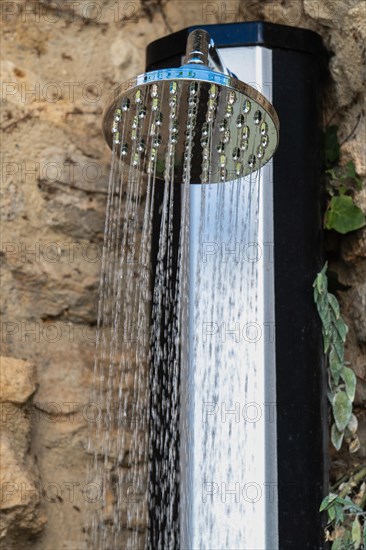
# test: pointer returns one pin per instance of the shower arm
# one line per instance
(201, 50)
(216, 61)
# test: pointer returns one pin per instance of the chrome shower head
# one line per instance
(229, 128)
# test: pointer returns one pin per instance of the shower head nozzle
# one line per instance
(230, 129)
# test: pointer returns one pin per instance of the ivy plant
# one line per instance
(341, 379)
(342, 214)
(346, 518)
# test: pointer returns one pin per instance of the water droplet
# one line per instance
(247, 106)
(223, 125)
(264, 141)
(126, 104)
(193, 88)
(240, 121)
(264, 128)
(213, 91)
(244, 144)
(226, 136)
(204, 142)
(159, 119)
(231, 97)
(124, 150)
(257, 117)
(246, 132)
(141, 146)
(211, 106)
(117, 115)
(205, 129)
(142, 112)
(229, 111)
(236, 154)
(173, 88)
(157, 140)
(238, 168)
(251, 161)
(221, 147)
(154, 91)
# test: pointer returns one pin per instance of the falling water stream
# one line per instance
(150, 335)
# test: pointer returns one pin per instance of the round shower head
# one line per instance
(230, 129)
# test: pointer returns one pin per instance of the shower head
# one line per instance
(215, 127)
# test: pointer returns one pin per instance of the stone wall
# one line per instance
(60, 60)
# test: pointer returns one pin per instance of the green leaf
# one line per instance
(321, 282)
(327, 341)
(335, 365)
(324, 315)
(331, 514)
(336, 437)
(337, 544)
(343, 215)
(349, 378)
(338, 344)
(339, 513)
(356, 533)
(342, 328)
(327, 501)
(342, 410)
(333, 302)
(331, 146)
(330, 396)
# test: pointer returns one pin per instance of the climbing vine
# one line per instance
(345, 504)
(346, 516)
(341, 379)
